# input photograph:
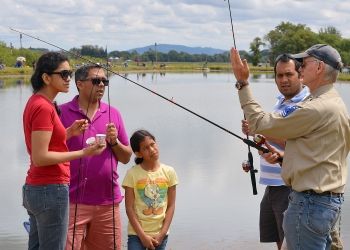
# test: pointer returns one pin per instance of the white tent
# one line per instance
(21, 59)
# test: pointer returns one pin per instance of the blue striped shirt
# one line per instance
(270, 174)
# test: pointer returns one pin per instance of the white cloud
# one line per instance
(126, 24)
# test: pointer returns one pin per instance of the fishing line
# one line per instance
(246, 141)
(233, 33)
(80, 175)
(111, 155)
(252, 171)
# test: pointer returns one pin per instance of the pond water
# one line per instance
(215, 207)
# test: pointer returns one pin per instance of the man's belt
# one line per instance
(327, 193)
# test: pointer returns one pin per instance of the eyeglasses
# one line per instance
(64, 74)
(97, 81)
(305, 62)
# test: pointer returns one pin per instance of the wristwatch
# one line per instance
(241, 83)
(114, 144)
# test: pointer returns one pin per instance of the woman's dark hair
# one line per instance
(47, 63)
(136, 139)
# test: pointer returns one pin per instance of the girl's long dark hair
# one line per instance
(136, 139)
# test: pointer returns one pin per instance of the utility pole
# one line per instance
(155, 45)
(20, 39)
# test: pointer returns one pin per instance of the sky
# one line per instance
(127, 24)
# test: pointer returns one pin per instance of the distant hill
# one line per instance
(165, 48)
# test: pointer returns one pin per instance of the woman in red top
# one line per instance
(45, 193)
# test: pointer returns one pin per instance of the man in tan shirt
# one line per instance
(317, 134)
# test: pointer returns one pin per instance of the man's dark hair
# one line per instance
(286, 58)
(83, 72)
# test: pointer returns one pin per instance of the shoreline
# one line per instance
(173, 67)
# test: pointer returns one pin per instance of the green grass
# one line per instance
(16, 71)
(344, 77)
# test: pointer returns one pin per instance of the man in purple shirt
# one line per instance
(91, 197)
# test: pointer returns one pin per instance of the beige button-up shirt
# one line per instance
(317, 135)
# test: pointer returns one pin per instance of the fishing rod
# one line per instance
(111, 155)
(245, 140)
(233, 33)
(79, 196)
(249, 164)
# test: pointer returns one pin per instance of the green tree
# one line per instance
(330, 35)
(330, 30)
(344, 50)
(255, 49)
(291, 38)
(93, 51)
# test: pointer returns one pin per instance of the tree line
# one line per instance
(295, 38)
(148, 56)
(285, 38)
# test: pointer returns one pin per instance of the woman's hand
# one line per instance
(77, 128)
(94, 149)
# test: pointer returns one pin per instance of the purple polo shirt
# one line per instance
(93, 186)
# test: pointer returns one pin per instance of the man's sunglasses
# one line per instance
(97, 81)
(64, 74)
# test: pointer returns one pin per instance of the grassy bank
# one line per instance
(9, 71)
(163, 67)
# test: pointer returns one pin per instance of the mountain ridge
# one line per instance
(165, 48)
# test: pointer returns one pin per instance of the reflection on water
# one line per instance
(215, 208)
(8, 82)
(263, 76)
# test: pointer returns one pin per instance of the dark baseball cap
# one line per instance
(322, 52)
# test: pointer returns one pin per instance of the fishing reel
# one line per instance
(259, 139)
(246, 166)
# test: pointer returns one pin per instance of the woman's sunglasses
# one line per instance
(64, 74)
(97, 81)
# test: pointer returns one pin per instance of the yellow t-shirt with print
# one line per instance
(151, 199)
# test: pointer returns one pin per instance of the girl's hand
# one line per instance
(77, 128)
(148, 242)
(111, 133)
(159, 238)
